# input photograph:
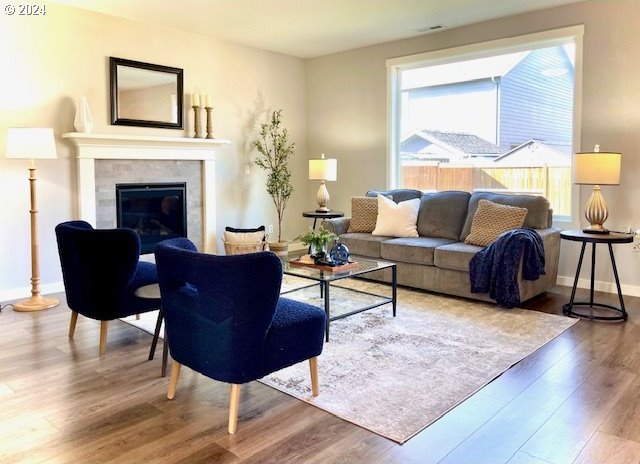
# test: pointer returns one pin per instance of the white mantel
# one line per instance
(91, 147)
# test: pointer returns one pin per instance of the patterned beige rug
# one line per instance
(395, 376)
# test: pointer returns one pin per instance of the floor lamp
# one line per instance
(32, 143)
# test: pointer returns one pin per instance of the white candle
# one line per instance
(195, 99)
(207, 101)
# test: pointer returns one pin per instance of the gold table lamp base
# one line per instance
(596, 213)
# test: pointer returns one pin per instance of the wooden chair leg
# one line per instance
(313, 367)
(173, 381)
(72, 324)
(104, 325)
(234, 402)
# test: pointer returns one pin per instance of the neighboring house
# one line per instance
(447, 147)
(503, 99)
(534, 154)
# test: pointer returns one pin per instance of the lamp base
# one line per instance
(35, 303)
(323, 198)
(595, 229)
(596, 213)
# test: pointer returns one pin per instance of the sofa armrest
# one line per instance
(551, 241)
(338, 226)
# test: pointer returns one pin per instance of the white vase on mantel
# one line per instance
(83, 121)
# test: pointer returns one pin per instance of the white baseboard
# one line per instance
(25, 292)
(599, 285)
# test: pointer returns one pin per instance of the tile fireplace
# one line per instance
(104, 160)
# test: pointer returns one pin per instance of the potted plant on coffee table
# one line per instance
(274, 151)
(317, 241)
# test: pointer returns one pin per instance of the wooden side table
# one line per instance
(319, 215)
(608, 239)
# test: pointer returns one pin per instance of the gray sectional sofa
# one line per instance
(438, 260)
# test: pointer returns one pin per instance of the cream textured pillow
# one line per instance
(397, 219)
(491, 219)
(364, 211)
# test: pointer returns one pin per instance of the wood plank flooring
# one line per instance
(575, 400)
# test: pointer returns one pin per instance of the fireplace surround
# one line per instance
(133, 158)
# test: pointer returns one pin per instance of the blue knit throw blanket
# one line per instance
(494, 269)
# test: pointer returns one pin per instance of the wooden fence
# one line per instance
(553, 182)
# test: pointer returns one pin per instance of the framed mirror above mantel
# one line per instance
(145, 94)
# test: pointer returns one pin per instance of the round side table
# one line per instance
(319, 215)
(609, 239)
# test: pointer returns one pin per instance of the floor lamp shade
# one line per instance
(597, 168)
(323, 169)
(32, 143)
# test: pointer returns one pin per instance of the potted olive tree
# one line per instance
(274, 151)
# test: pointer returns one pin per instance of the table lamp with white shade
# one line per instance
(32, 143)
(323, 169)
(596, 168)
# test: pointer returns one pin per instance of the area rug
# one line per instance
(396, 376)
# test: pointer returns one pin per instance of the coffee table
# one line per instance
(325, 278)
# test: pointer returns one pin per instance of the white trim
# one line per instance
(393, 132)
(118, 146)
(478, 50)
(19, 293)
(91, 147)
(599, 286)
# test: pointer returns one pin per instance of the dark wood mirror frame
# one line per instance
(175, 121)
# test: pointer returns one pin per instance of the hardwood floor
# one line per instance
(575, 400)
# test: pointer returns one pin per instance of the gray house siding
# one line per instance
(536, 100)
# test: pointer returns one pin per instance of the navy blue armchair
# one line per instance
(225, 318)
(101, 273)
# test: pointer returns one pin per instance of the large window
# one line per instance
(498, 116)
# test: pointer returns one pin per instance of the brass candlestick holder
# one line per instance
(196, 122)
(209, 110)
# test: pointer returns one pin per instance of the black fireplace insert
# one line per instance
(155, 211)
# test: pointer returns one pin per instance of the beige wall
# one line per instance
(49, 62)
(347, 110)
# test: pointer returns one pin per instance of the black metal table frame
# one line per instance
(325, 294)
(315, 215)
(568, 308)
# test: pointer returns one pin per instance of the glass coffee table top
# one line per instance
(362, 266)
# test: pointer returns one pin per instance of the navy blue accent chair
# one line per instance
(225, 318)
(101, 274)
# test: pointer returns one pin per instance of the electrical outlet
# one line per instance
(270, 229)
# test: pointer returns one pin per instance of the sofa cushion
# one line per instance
(442, 214)
(397, 219)
(538, 207)
(364, 211)
(491, 219)
(363, 244)
(396, 195)
(417, 250)
(455, 256)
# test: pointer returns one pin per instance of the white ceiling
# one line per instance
(309, 28)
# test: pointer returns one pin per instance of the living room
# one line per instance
(335, 104)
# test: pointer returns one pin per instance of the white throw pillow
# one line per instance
(397, 219)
